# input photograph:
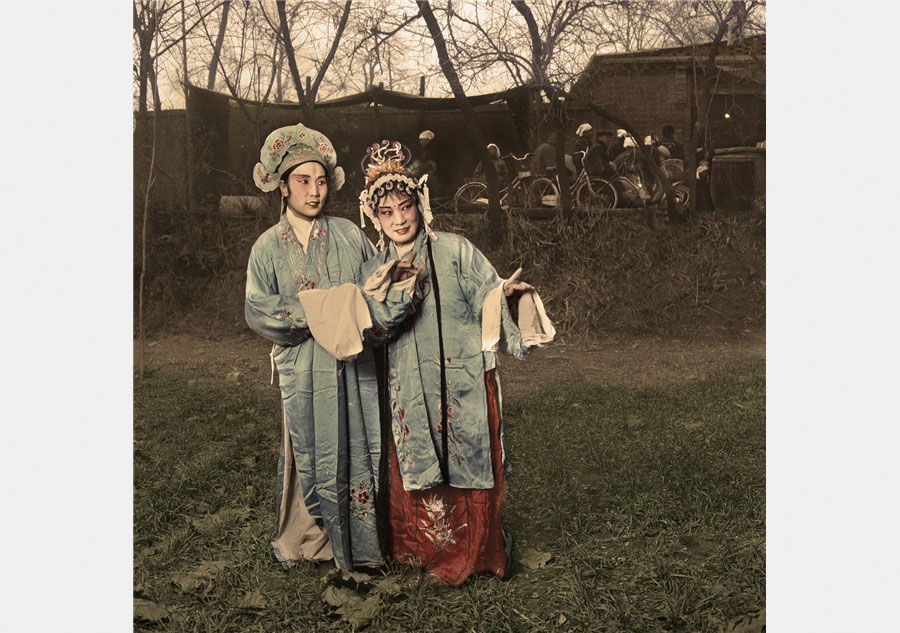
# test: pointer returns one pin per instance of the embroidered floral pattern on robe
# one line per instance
(437, 526)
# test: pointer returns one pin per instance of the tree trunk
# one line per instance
(327, 61)
(217, 49)
(559, 122)
(496, 218)
(141, 333)
(285, 32)
(187, 149)
(737, 11)
(144, 65)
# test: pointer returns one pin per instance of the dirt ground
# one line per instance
(635, 362)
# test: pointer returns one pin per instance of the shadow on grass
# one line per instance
(650, 502)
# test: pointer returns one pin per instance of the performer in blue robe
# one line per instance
(441, 493)
(305, 270)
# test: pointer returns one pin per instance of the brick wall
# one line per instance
(648, 95)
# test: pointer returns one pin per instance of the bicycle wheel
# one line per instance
(542, 193)
(469, 194)
(626, 192)
(598, 194)
(583, 196)
(682, 195)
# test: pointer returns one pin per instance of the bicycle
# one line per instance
(635, 184)
(586, 192)
(475, 191)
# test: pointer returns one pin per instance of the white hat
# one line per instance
(621, 132)
(629, 142)
(584, 127)
(426, 134)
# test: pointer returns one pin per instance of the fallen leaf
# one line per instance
(199, 580)
(192, 582)
(250, 460)
(233, 376)
(533, 559)
(351, 606)
(252, 600)
(632, 421)
(360, 612)
(337, 596)
(150, 611)
(355, 580)
(561, 620)
(691, 426)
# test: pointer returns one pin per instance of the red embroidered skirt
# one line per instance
(451, 532)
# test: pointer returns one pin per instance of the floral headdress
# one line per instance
(289, 146)
(385, 170)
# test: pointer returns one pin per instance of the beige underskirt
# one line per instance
(297, 535)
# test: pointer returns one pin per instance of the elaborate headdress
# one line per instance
(385, 170)
(289, 146)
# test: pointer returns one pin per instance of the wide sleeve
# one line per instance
(476, 274)
(515, 333)
(276, 317)
(390, 303)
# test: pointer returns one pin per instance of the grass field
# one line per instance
(630, 510)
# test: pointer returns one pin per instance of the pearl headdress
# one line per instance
(385, 170)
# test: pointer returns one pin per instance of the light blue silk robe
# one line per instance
(330, 407)
(465, 277)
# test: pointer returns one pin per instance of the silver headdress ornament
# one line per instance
(385, 171)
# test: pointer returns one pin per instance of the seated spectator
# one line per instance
(596, 161)
(585, 137)
(676, 149)
(543, 163)
(499, 165)
(426, 158)
(658, 152)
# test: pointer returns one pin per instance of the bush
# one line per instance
(603, 275)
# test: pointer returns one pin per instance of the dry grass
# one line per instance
(649, 502)
(596, 274)
(602, 274)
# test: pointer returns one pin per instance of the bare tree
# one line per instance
(157, 30)
(703, 27)
(542, 48)
(307, 97)
(496, 219)
(217, 47)
(625, 26)
(377, 42)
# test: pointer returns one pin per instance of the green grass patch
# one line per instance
(650, 502)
